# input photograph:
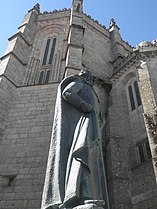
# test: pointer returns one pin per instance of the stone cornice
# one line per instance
(148, 54)
(124, 66)
(133, 60)
(56, 11)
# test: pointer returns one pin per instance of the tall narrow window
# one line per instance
(137, 93)
(46, 51)
(47, 76)
(134, 94)
(141, 153)
(41, 77)
(52, 51)
(49, 51)
(131, 98)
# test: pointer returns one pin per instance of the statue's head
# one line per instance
(87, 75)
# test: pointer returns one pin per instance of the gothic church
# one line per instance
(48, 47)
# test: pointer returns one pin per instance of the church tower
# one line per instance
(48, 47)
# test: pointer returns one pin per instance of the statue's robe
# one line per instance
(75, 169)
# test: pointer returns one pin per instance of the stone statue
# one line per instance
(75, 172)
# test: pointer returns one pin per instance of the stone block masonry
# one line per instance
(6, 97)
(25, 145)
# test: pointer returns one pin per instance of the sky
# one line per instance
(135, 18)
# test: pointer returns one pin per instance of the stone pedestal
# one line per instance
(88, 206)
(91, 204)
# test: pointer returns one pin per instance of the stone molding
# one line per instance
(131, 60)
(4, 76)
(13, 54)
(19, 34)
(57, 11)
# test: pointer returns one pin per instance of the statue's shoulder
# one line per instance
(69, 79)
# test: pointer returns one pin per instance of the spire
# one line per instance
(76, 12)
(77, 6)
(36, 8)
(116, 39)
(114, 31)
(113, 24)
(75, 39)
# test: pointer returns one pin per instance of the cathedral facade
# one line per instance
(48, 47)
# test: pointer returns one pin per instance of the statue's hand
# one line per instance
(85, 107)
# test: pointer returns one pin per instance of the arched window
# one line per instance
(49, 51)
(46, 51)
(52, 51)
(131, 96)
(137, 93)
(134, 94)
(47, 76)
(41, 77)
